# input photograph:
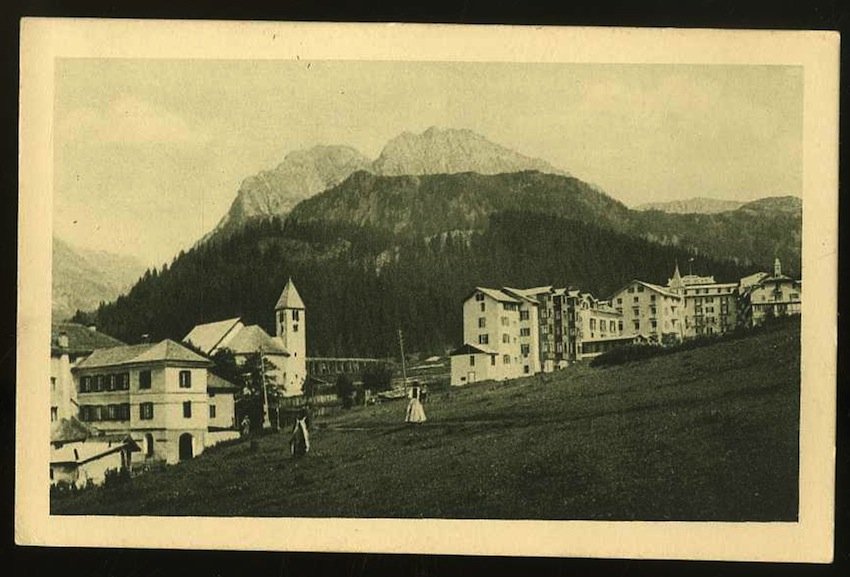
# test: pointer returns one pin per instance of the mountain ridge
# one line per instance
(306, 172)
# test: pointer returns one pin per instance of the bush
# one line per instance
(345, 390)
(115, 477)
(377, 376)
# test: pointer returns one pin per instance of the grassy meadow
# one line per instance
(705, 434)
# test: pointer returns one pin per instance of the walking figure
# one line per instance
(415, 411)
(299, 444)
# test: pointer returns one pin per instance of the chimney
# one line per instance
(63, 340)
(93, 327)
(777, 267)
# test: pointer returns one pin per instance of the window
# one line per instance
(523, 315)
(652, 298)
(653, 323)
(98, 383)
(148, 445)
(593, 324)
(52, 383)
(144, 379)
(296, 315)
(640, 288)
(483, 339)
(631, 289)
(124, 412)
(85, 384)
(525, 349)
(54, 413)
(620, 325)
(483, 306)
(636, 324)
(471, 360)
(506, 359)
(125, 381)
(185, 379)
(295, 328)
(112, 412)
(506, 338)
(619, 301)
(636, 300)
(187, 409)
(526, 370)
(479, 297)
(612, 326)
(493, 360)
(482, 322)
(525, 332)
(212, 411)
(110, 382)
(145, 411)
(505, 321)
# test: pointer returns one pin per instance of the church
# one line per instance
(286, 350)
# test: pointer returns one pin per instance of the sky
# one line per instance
(149, 154)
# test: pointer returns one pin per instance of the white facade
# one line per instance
(650, 311)
(471, 364)
(291, 329)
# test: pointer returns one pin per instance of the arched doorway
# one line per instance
(186, 451)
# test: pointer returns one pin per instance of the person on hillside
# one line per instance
(415, 412)
(299, 444)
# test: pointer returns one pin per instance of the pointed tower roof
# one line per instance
(289, 298)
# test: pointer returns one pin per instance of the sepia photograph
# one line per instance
(372, 292)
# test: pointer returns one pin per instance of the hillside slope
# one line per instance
(707, 434)
(700, 205)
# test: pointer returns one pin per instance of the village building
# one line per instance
(84, 462)
(69, 343)
(498, 322)
(650, 312)
(286, 352)
(710, 307)
(771, 296)
(157, 394)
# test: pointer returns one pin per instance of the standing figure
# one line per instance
(299, 445)
(246, 426)
(415, 411)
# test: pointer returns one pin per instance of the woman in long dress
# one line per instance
(415, 411)
(299, 445)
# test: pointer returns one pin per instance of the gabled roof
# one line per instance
(495, 294)
(163, 351)
(210, 335)
(81, 339)
(68, 430)
(289, 298)
(218, 384)
(469, 349)
(659, 289)
(253, 339)
(522, 294)
(90, 450)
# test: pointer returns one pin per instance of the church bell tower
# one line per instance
(291, 328)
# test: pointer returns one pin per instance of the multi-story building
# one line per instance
(709, 307)
(157, 394)
(551, 326)
(650, 311)
(770, 296)
(69, 343)
(500, 327)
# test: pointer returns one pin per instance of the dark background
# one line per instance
(824, 15)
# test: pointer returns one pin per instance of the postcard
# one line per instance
(483, 290)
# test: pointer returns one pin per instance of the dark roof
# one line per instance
(468, 349)
(81, 339)
(216, 383)
(163, 351)
(68, 430)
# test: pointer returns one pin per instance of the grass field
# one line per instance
(706, 434)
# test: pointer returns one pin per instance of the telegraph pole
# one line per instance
(403, 366)
(267, 424)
